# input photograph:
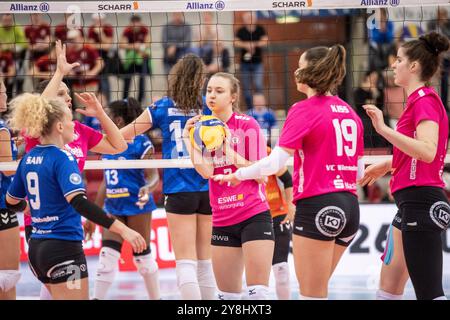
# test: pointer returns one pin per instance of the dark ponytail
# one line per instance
(325, 70)
(427, 51)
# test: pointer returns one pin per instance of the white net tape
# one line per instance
(198, 6)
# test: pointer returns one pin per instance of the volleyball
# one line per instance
(208, 134)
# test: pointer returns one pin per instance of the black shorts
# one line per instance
(8, 219)
(57, 261)
(328, 217)
(421, 209)
(258, 227)
(283, 233)
(188, 203)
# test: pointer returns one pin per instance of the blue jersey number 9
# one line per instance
(33, 189)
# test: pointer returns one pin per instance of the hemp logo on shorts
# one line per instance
(330, 221)
(440, 214)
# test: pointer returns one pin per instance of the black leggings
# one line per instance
(423, 255)
(424, 213)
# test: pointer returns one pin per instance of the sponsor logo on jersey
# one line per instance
(75, 178)
(232, 198)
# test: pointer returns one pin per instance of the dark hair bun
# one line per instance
(436, 41)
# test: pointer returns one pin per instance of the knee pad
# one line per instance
(281, 272)
(107, 264)
(145, 264)
(186, 272)
(257, 292)
(205, 273)
(222, 295)
(8, 279)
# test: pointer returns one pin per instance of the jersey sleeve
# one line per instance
(93, 137)
(17, 188)
(427, 108)
(258, 150)
(67, 173)
(156, 113)
(295, 129)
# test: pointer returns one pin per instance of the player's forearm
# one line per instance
(112, 133)
(51, 90)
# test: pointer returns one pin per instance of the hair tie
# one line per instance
(429, 47)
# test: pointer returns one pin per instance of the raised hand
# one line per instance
(92, 107)
(61, 61)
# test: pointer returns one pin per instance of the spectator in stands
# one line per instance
(442, 25)
(136, 42)
(381, 42)
(394, 99)
(212, 51)
(38, 35)
(176, 40)
(13, 42)
(263, 115)
(100, 36)
(7, 70)
(251, 38)
(44, 67)
(69, 23)
(368, 92)
(85, 77)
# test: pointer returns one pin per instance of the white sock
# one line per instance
(45, 294)
(222, 295)
(301, 297)
(148, 269)
(281, 274)
(206, 280)
(108, 265)
(187, 279)
(383, 295)
(257, 292)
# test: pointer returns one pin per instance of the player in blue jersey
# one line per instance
(49, 177)
(9, 226)
(186, 192)
(126, 194)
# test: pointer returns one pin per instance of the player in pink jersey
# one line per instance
(325, 136)
(420, 144)
(86, 138)
(242, 234)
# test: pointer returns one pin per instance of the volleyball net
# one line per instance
(126, 49)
